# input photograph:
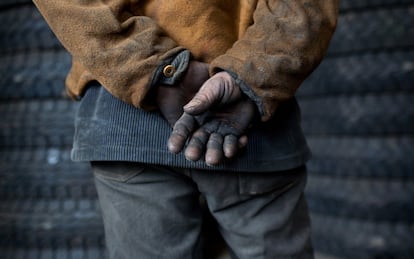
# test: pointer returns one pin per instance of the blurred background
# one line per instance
(358, 115)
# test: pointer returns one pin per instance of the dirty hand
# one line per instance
(214, 122)
(171, 99)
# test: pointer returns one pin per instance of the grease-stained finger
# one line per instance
(214, 152)
(197, 145)
(182, 130)
(230, 145)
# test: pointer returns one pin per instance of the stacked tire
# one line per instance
(358, 115)
(48, 204)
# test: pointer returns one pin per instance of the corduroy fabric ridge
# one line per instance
(108, 129)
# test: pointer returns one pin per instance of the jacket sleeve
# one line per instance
(111, 40)
(282, 46)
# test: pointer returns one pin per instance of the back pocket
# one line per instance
(270, 182)
(116, 171)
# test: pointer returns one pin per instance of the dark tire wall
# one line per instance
(24, 74)
(358, 115)
(48, 204)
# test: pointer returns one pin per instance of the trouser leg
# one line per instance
(149, 212)
(261, 215)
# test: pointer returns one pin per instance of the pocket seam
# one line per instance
(275, 187)
(102, 172)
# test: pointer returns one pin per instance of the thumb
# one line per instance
(208, 95)
(215, 90)
(199, 104)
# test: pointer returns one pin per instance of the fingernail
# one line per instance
(192, 104)
(173, 148)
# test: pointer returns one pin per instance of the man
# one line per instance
(214, 79)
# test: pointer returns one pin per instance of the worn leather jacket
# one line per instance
(270, 46)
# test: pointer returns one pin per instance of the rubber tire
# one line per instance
(356, 115)
(359, 115)
(50, 223)
(34, 75)
(375, 157)
(37, 123)
(24, 29)
(374, 30)
(360, 239)
(367, 73)
(381, 199)
(358, 5)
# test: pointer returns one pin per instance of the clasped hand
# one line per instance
(214, 121)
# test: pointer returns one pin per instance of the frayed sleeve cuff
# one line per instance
(248, 92)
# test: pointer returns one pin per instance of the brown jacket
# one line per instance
(272, 45)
